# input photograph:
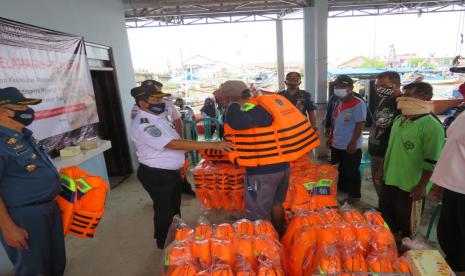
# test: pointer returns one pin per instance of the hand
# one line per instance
(16, 237)
(223, 146)
(417, 193)
(435, 194)
(327, 132)
(329, 142)
(351, 148)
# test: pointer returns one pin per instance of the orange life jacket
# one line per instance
(82, 201)
(289, 136)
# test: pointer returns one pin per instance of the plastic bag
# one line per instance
(178, 224)
(299, 258)
(327, 260)
(379, 262)
(351, 215)
(186, 269)
(203, 230)
(224, 231)
(375, 218)
(243, 249)
(415, 244)
(244, 226)
(264, 227)
(222, 252)
(401, 265)
(332, 216)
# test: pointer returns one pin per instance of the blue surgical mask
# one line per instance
(341, 92)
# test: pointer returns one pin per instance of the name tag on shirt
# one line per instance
(347, 116)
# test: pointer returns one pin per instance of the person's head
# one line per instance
(388, 84)
(232, 91)
(179, 102)
(14, 107)
(343, 86)
(149, 98)
(293, 80)
(416, 99)
(419, 90)
(209, 101)
(152, 83)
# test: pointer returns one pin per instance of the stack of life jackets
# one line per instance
(288, 138)
(311, 187)
(82, 201)
(243, 248)
(219, 185)
(340, 241)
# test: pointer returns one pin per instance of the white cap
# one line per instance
(232, 88)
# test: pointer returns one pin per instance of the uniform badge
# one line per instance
(144, 120)
(34, 156)
(11, 141)
(153, 131)
(31, 168)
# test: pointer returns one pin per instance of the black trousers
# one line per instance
(164, 187)
(350, 181)
(396, 207)
(451, 229)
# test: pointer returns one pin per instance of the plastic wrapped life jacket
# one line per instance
(215, 156)
(82, 201)
(288, 138)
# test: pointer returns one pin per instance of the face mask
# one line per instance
(413, 106)
(384, 92)
(292, 86)
(341, 93)
(158, 108)
(24, 117)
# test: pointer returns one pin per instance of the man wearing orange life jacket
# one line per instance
(268, 132)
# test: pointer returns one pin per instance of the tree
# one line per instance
(420, 62)
(372, 63)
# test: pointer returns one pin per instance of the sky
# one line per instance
(159, 49)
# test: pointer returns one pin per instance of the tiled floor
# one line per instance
(123, 244)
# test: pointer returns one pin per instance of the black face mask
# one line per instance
(292, 86)
(157, 108)
(24, 117)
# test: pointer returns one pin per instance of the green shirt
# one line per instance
(414, 146)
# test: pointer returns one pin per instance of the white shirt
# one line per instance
(450, 169)
(170, 110)
(151, 133)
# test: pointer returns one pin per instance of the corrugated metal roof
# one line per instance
(154, 13)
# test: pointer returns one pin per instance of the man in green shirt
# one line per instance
(415, 144)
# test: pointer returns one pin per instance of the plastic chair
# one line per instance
(189, 130)
(207, 124)
(365, 163)
(434, 219)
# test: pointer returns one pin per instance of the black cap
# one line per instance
(152, 83)
(11, 95)
(344, 80)
(145, 91)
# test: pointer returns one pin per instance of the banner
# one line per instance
(51, 66)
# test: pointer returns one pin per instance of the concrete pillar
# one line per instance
(309, 50)
(280, 53)
(315, 61)
(321, 50)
